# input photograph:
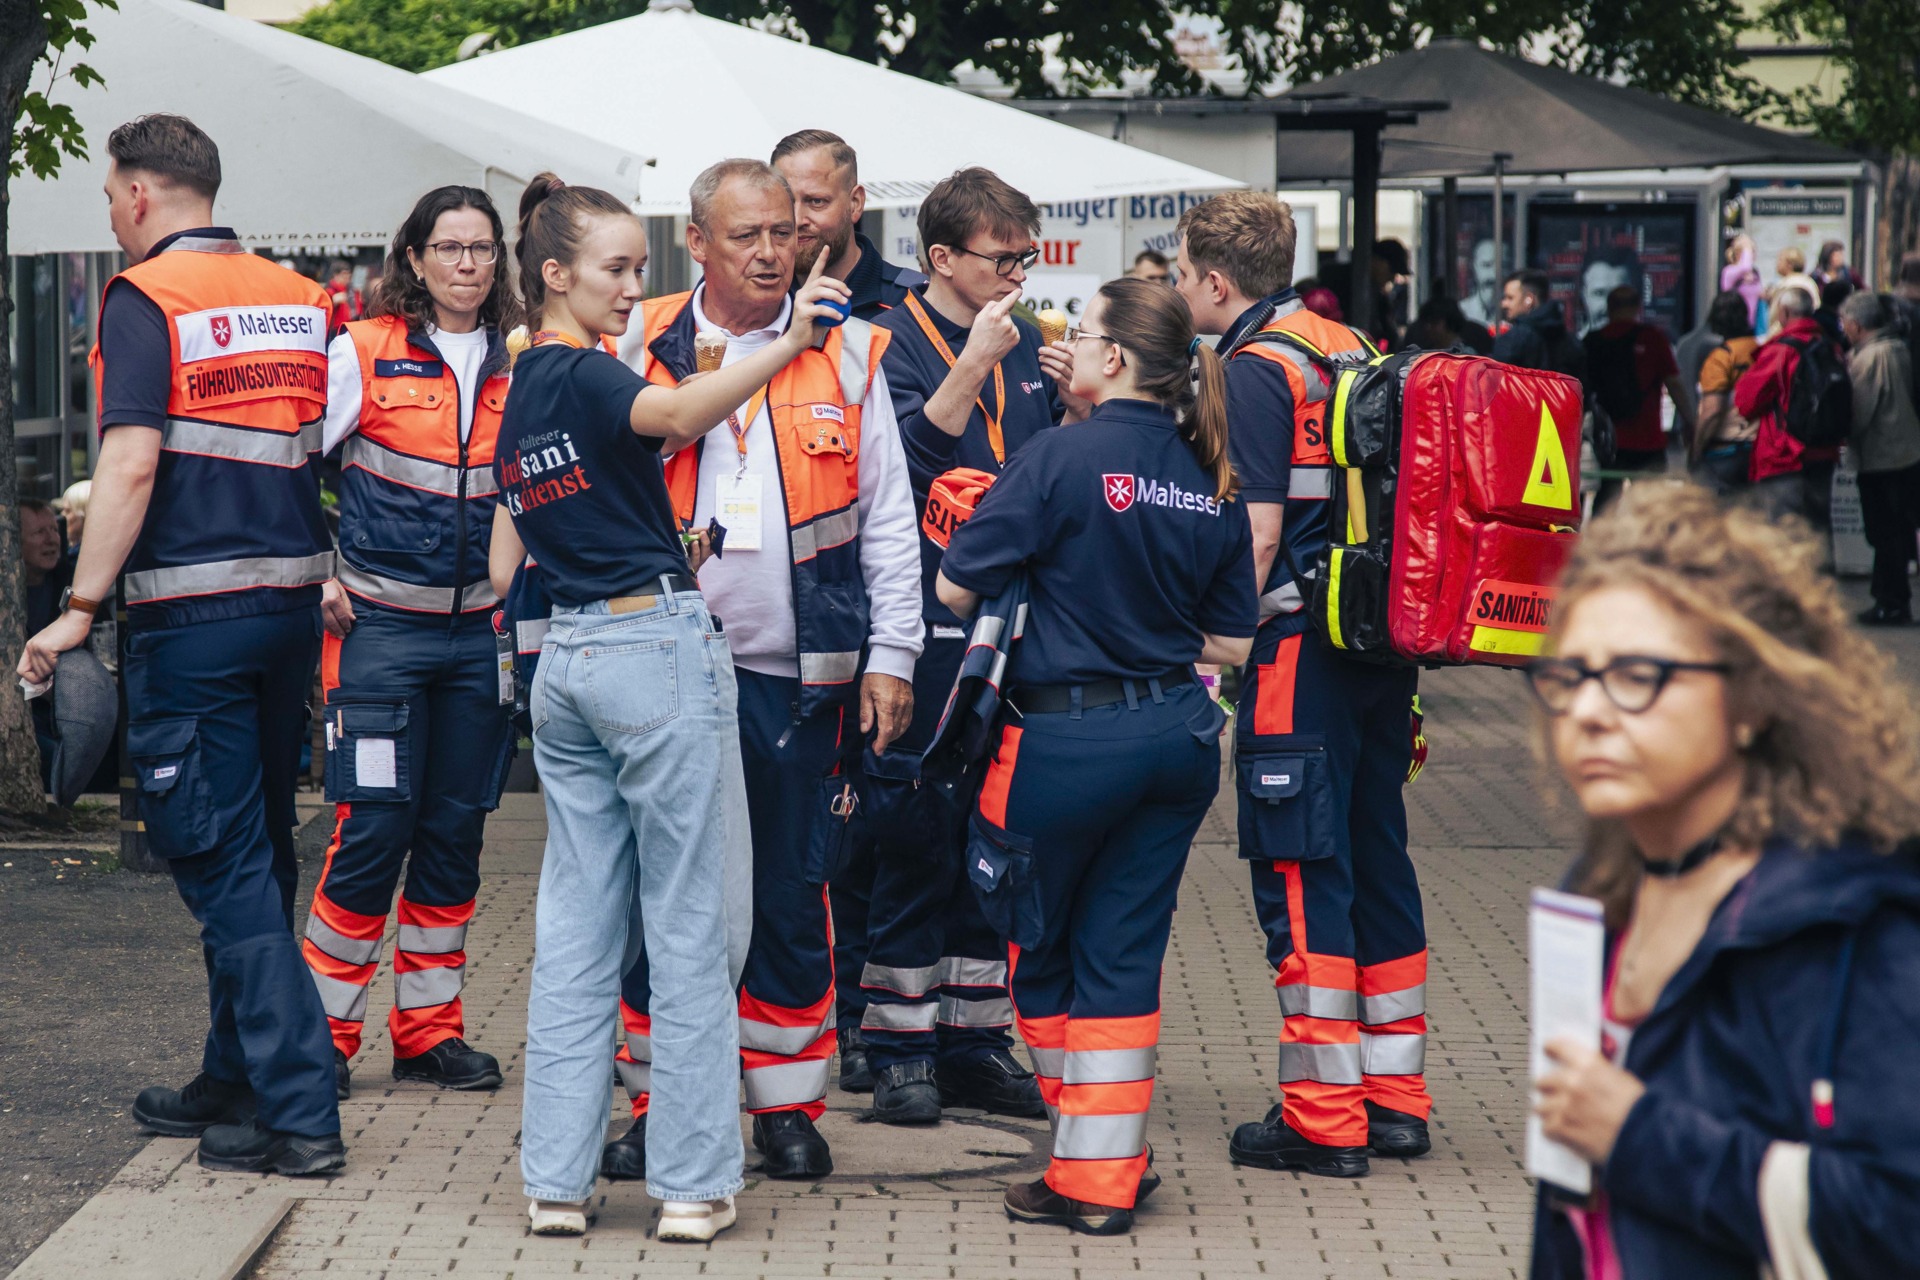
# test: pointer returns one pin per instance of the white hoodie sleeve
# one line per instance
(343, 392)
(889, 540)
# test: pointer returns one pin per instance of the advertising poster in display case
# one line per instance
(1588, 250)
(1799, 219)
(1477, 278)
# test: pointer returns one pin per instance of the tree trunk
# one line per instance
(23, 38)
(1898, 230)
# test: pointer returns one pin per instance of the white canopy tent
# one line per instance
(690, 90)
(319, 147)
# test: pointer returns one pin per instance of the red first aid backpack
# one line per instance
(1456, 503)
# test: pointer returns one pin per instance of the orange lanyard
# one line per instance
(546, 336)
(754, 405)
(996, 435)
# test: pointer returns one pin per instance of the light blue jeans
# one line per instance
(638, 746)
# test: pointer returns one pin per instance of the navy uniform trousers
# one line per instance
(1322, 751)
(216, 713)
(935, 973)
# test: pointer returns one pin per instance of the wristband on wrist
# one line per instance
(78, 603)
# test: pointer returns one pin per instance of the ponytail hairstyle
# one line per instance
(403, 293)
(554, 218)
(1174, 367)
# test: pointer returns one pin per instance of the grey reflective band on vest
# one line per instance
(425, 988)
(825, 533)
(414, 597)
(1048, 1062)
(956, 1012)
(1327, 1063)
(228, 575)
(922, 1015)
(1310, 482)
(432, 942)
(1119, 1137)
(856, 349)
(344, 1001)
(786, 1084)
(338, 945)
(416, 473)
(1110, 1066)
(829, 668)
(1392, 1006)
(904, 982)
(1297, 999)
(964, 971)
(768, 1038)
(241, 444)
(530, 635)
(1393, 1055)
(1316, 386)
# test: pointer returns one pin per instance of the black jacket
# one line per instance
(1539, 340)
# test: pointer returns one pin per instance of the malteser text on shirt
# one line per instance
(546, 471)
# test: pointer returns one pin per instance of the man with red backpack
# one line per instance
(1798, 391)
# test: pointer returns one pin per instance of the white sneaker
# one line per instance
(560, 1217)
(695, 1219)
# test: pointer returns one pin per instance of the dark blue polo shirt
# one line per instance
(877, 285)
(1129, 558)
(588, 496)
(915, 369)
(1260, 441)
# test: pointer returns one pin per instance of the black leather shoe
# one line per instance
(1038, 1202)
(905, 1093)
(190, 1112)
(1881, 616)
(1272, 1144)
(625, 1158)
(342, 1076)
(856, 1075)
(995, 1083)
(251, 1147)
(1395, 1133)
(792, 1146)
(451, 1064)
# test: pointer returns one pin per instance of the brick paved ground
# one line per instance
(433, 1184)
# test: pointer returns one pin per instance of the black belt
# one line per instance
(1049, 699)
(674, 583)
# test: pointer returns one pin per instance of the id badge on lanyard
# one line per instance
(737, 497)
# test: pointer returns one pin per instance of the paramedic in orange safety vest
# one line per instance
(818, 584)
(211, 378)
(1324, 743)
(417, 717)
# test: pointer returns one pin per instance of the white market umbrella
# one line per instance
(690, 90)
(318, 146)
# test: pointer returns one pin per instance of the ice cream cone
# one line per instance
(709, 350)
(1053, 325)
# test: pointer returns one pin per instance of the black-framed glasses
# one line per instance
(448, 252)
(1631, 682)
(1003, 263)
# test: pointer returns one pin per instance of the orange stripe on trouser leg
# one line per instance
(329, 663)
(639, 1030)
(784, 1053)
(1046, 1039)
(999, 779)
(426, 1000)
(1273, 707)
(1393, 1006)
(1099, 1145)
(346, 1006)
(1320, 1080)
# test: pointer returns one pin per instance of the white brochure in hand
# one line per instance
(1567, 942)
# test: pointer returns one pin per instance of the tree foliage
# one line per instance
(42, 130)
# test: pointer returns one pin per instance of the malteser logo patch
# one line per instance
(1119, 490)
(1514, 606)
(222, 329)
(232, 331)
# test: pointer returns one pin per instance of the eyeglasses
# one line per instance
(448, 252)
(1631, 682)
(1075, 333)
(1003, 264)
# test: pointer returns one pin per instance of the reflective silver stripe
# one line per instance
(432, 942)
(640, 1048)
(856, 348)
(635, 1077)
(425, 988)
(829, 531)
(1100, 1137)
(416, 473)
(1298, 999)
(346, 1001)
(923, 1016)
(829, 668)
(787, 1084)
(529, 636)
(768, 1038)
(339, 945)
(905, 982)
(975, 1013)
(1285, 598)
(1391, 1006)
(1786, 1213)
(228, 575)
(1395, 1055)
(1051, 1063)
(1310, 482)
(964, 971)
(1020, 621)
(411, 596)
(241, 444)
(1327, 1063)
(987, 629)
(1110, 1066)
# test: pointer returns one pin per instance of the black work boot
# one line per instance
(996, 1083)
(251, 1147)
(625, 1158)
(1396, 1133)
(1882, 615)
(342, 1077)
(1038, 1202)
(856, 1074)
(451, 1064)
(1273, 1144)
(189, 1112)
(905, 1093)
(792, 1146)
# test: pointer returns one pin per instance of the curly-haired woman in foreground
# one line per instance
(1748, 769)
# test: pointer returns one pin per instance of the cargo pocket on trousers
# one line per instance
(176, 801)
(904, 811)
(1286, 806)
(1000, 865)
(367, 756)
(835, 829)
